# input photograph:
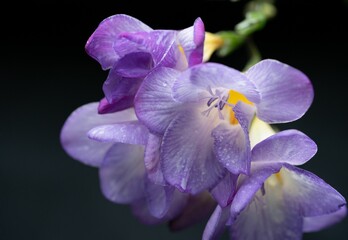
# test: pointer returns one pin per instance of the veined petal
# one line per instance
(188, 160)
(310, 194)
(122, 104)
(216, 224)
(312, 224)
(122, 173)
(288, 146)
(154, 104)
(132, 132)
(268, 216)
(117, 88)
(231, 142)
(100, 44)
(192, 41)
(193, 84)
(152, 160)
(223, 192)
(286, 93)
(74, 137)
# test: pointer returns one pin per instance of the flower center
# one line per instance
(221, 98)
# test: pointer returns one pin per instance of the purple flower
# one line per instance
(204, 115)
(131, 49)
(115, 143)
(278, 200)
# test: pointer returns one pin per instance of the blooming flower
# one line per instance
(115, 144)
(131, 49)
(278, 200)
(204, 114)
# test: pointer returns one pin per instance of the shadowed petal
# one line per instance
(100, 44)
(132, 132)
(122, 104)
(74, 137)
(154, 104)
(134, 65)
(193, 84)
(216, 224)
(286, 92)
(117, 88)
(290, 146)
(122, 173)
(312, 224)
(152, 160)
(223, 192)
(188, 160)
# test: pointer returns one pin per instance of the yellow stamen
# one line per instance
(234, 98)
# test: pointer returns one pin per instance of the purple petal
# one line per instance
(159, 43)
(132, 132)
(117, 88)
(231, 142)
(122, 104)
(100, 44)
(192, 41)
(290, 146)
(187, 153)
(313, 224)
(268, 216)
(198, 207)
(154, 104)
(193, 84)
(74, 137)
(141, 211)
(249, 185)
(216, 224)
(286, 93)
(223, 192)
(310, 194)
(152, 160)
(122, 173)
(134, 65)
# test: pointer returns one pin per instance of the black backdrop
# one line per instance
(46, 74)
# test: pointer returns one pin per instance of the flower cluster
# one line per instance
(179, 138)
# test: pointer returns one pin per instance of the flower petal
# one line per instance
(141, 211)
(286, 93)
(268, 216)
(74, 137)
(231, 142)
(312, 224)
(117, 88)
(122, 104)
(259, 131)
(152, 160)
(216, 224)
(134, 65)
(223, 192)
(154, 104)
(192, 41)
(193, 84)
(122, 173)
(290, 146)
(100, 44)
(132, 132)
(187, 153)
(310, 194)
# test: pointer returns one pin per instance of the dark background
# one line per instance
(46, 74)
